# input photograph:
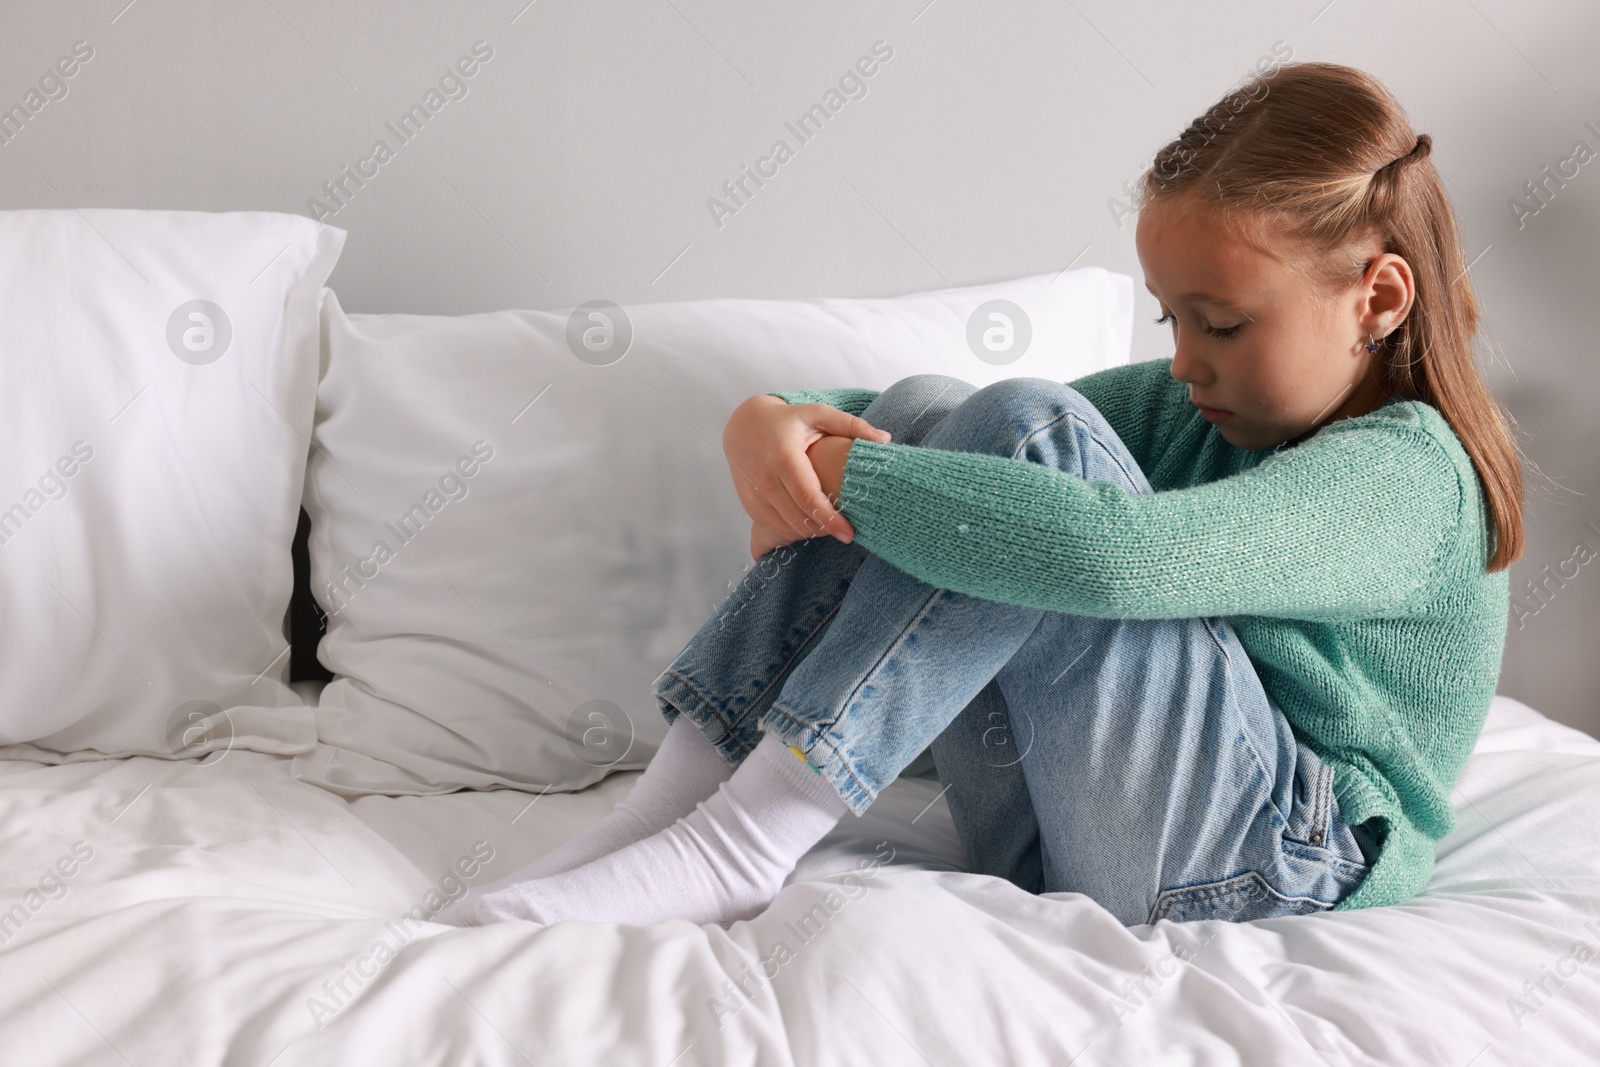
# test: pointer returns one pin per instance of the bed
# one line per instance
(220, 911)
(512, 521)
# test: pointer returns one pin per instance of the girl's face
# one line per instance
(1269, 354)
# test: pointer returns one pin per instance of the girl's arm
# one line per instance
(1349, 524)
(854, 401)
(1135, 399)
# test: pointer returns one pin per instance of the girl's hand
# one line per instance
(828, 457)
(765, 442)
(763, 541)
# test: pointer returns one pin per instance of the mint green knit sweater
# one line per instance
(1351, 566)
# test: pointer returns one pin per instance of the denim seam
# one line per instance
(1222, 887)
(727, 727)
(1257, 882)
(850, 699)
(1319, 810)
(799, 648)
(1089, 432)
(1134, 476)
(1338, 866)
(899, 642)
(1244, 735)
(823, 739)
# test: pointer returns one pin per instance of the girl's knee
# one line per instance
(1000, 417)
(912, 406)
(1043, 422)
(1028, 397)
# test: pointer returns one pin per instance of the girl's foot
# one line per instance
(685, 770)
(724, 861)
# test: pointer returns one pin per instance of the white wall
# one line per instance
(580, 162)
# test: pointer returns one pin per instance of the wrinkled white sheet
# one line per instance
(212, 911)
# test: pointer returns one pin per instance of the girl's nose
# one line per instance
(1186, 367)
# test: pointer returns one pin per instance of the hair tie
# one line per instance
(1419, 151)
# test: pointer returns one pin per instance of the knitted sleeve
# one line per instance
(1346, 525)
(1128, 396)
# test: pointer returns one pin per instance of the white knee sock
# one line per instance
(684, 771)
(724, 861)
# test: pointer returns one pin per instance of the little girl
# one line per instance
(1208, 637)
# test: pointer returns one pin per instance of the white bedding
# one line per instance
(216, 900)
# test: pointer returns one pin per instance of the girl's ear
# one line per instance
(1387, 293)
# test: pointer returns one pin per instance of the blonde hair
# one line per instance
(1325, 153)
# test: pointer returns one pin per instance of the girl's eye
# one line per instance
(1221, 333)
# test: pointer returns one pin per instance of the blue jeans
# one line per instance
(1137, 761)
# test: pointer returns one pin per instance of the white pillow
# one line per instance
(157, 383)
(571, 520)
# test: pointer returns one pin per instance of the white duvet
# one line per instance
(158, 913)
